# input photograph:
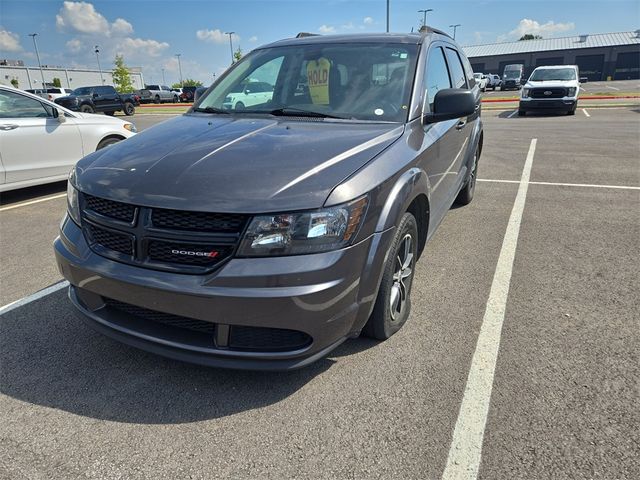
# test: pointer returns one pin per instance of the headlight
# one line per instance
(571, 91)
(525, 92)
(131, 127)
(305, 232)
(73, 205)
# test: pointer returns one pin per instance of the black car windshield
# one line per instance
(353, 81)
(82, 91)
(546, 74)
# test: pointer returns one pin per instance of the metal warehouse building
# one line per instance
(30, 77)
(603, 56)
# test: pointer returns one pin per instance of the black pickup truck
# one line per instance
(100, 99)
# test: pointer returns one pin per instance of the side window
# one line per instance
(437, 76)
(468, 69)
(13, 105)
(458, 77)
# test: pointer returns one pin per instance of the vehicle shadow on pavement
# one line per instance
(49, 357)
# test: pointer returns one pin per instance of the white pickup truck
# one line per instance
(553, 87)
(481, 81)
(158, 94)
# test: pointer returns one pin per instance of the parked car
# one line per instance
(248, 95)
(57, 92)
(157, 94)
(187, 94)
(512, 78)
(101, 98)
(493, 81)
(41, 92)
(554, 87)
(264, 237)
(481, 81)
(41, 141)
(198, 92)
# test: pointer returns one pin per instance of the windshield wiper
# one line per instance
(299, 112)
(211, 110)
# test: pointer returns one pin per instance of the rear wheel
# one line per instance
(466, 194)
(393, 303)
(129, 109)
(175, 99)
(239, 106)
(156, 99)
(87, 109)
(108, 141)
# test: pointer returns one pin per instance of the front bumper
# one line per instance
(565, 104)
(325, 298)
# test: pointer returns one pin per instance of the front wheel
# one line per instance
(129, 109)
(87, 109)
(466, 194)
(393, 303)
(156, 99)
(175, 99)
(108, 141)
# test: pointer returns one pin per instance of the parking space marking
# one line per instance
(559, 184)
(465, 452)
(32, 202)
(584, 110)
(33, 297)
(512, 113)
(612, 88)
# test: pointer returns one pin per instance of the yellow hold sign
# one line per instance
(318, 80)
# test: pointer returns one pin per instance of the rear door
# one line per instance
(107, 99)
(34, 144)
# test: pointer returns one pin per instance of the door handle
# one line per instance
(461, 124)
(8, 126)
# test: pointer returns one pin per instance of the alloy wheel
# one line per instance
(402, 277)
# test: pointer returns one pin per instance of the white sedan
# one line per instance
(40, 141)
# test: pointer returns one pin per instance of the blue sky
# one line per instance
(149, 32)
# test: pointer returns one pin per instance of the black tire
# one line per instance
(108, 141)
(175, 99)
(397, 279)
(129, 109)
(521, 113)
(87, 109)
(111, 113)
(466, 194)
(156, 99)
(239, 106)
(573, 110)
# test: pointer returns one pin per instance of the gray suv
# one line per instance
(265, 236)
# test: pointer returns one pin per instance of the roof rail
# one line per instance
(306, 34)
(427, 29)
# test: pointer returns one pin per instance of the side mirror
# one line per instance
(584, 79)
(449, 104)
(59, 114)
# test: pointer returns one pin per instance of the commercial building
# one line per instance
(30, 77)
(603, 56)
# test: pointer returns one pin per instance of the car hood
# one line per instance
(93, 118)
(234, 164)
(552, 84)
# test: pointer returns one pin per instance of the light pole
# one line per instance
(178, 55)
(164, 82)
(454, 29)
(424, 15)
(387, 16)
(214, 77)
(97, 50)
(35, 44)
(230, 44)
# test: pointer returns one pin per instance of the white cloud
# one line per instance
(326, 29)
(368, 21)
(215, 36)
(9, 41)
(121, 27)
(81, 17)
(74, 45)
(348, 26)
(546, 30)
(253, 39)
(138, 47)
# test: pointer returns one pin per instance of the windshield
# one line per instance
(352, 81)
(553, 74)
(512, 73)
(82, 91)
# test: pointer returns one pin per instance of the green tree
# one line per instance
(529, 36)
(188, 82)
(56, 82)
(121, 76)
(237, 55)
(14, 82)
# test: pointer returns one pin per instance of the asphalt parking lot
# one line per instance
(565, 389)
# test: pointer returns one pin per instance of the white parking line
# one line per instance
(558, 184)
(33, 297)
(31, 202)
(584, 110)
(512, 113)
(612, 88)
(465, 452)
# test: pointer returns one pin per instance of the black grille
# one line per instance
(186, 254)
(161, 317)
(110, 208)
(267, 339)
(555, 92)
(197, 221)
(120, 242)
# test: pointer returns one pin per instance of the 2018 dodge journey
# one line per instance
(262, 236)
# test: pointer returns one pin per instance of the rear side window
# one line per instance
(458, 77)
(437, 76)
(153, 87)
(104, 90)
